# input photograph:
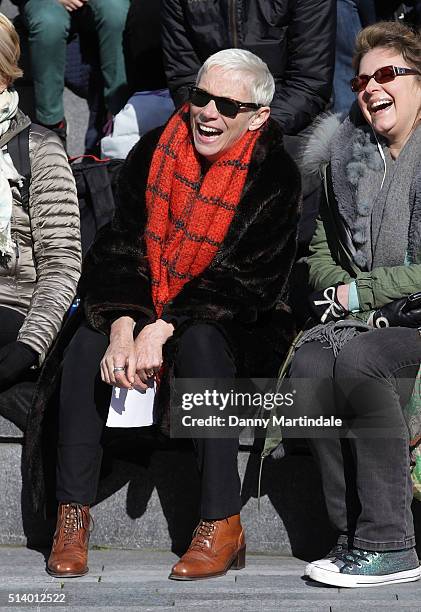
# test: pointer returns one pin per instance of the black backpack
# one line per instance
(96, 181)
(18, 149)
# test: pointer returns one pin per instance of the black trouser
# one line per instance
(366, 480)
(10, 323)
(203, 352)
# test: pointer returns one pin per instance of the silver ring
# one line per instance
(119, 369)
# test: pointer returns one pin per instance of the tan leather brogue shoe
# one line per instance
(69, 554)
(216, 547)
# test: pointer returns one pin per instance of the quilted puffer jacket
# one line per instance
(40, 278)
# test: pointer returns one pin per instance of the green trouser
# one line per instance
(48, 23)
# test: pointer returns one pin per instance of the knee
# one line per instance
(200, 340)
(112, 14)
(203, 352)
(309, 362)
(360, 357)
(301, 366)
(48, 24)
(86, 346)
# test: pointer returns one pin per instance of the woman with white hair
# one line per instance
(188, 282)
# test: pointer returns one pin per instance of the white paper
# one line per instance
(131, 408)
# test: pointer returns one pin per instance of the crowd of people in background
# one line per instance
(149, 54)
(272, 159)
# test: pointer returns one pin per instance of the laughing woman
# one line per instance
(365, 267)
(198, 258)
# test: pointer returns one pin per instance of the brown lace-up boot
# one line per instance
(217, 546)
(69, 554)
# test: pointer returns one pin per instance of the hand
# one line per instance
(148, 346)
(342, 295)
(15, 359)
(330, 304)
(405, 312)
(72, 5)
(120, 354)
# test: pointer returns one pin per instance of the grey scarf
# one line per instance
(376, 212)
(393, 206)
(8, 109)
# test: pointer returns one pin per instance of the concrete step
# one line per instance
(151, 502)
(138, 580)
(15, 404)
(9, 430)
(149, 499)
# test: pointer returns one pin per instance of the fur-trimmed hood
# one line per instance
(317, 150)
(354, 151)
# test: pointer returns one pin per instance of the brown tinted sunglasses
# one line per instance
(381, 75)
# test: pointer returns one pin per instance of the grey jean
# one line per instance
(366, 480)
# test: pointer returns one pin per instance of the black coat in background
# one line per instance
(409, 10)
(367, 11)
(142, 47)
(243, 290)
(296, 38)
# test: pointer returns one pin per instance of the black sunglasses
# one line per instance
(382, 75)
(226, 106)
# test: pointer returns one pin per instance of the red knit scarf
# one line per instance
(188, 214)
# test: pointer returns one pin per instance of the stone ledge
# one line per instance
(9, 430)
(14, 408)
(153, 504)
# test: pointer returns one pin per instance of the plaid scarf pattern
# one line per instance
(189, 214)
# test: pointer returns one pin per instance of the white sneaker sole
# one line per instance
(352, 581)
(320, 564)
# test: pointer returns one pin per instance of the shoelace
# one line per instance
(355, 556)
(202, 533)
(337, 550)
(73, 521)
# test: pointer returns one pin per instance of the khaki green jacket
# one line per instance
(330, 262)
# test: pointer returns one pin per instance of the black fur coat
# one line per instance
(242, 291)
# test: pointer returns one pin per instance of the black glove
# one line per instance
(326, 306)
(15, 358)
(405, 312)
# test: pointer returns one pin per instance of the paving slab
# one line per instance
(134, 579)
(375, 606)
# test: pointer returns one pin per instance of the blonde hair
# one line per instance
(9, 51)
(389, 35)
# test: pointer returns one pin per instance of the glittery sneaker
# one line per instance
(362, 568)
(337, 550)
